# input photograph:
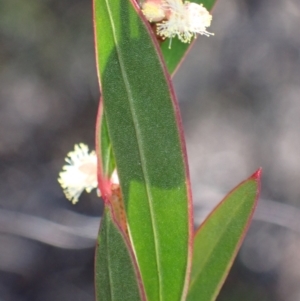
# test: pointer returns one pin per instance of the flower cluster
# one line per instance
(176, 18)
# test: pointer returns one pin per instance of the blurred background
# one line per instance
(239, 93)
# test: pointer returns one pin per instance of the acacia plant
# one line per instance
(147, 248)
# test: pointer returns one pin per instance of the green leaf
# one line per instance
(116, 276)
(174, 56)
(219, 238)
(143, 125)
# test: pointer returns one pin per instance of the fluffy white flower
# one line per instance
(185, 21)
(80, 172)
(182, 19)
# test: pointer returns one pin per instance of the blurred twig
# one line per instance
(78, 235)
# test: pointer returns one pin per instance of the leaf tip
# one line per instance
(257, 175)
